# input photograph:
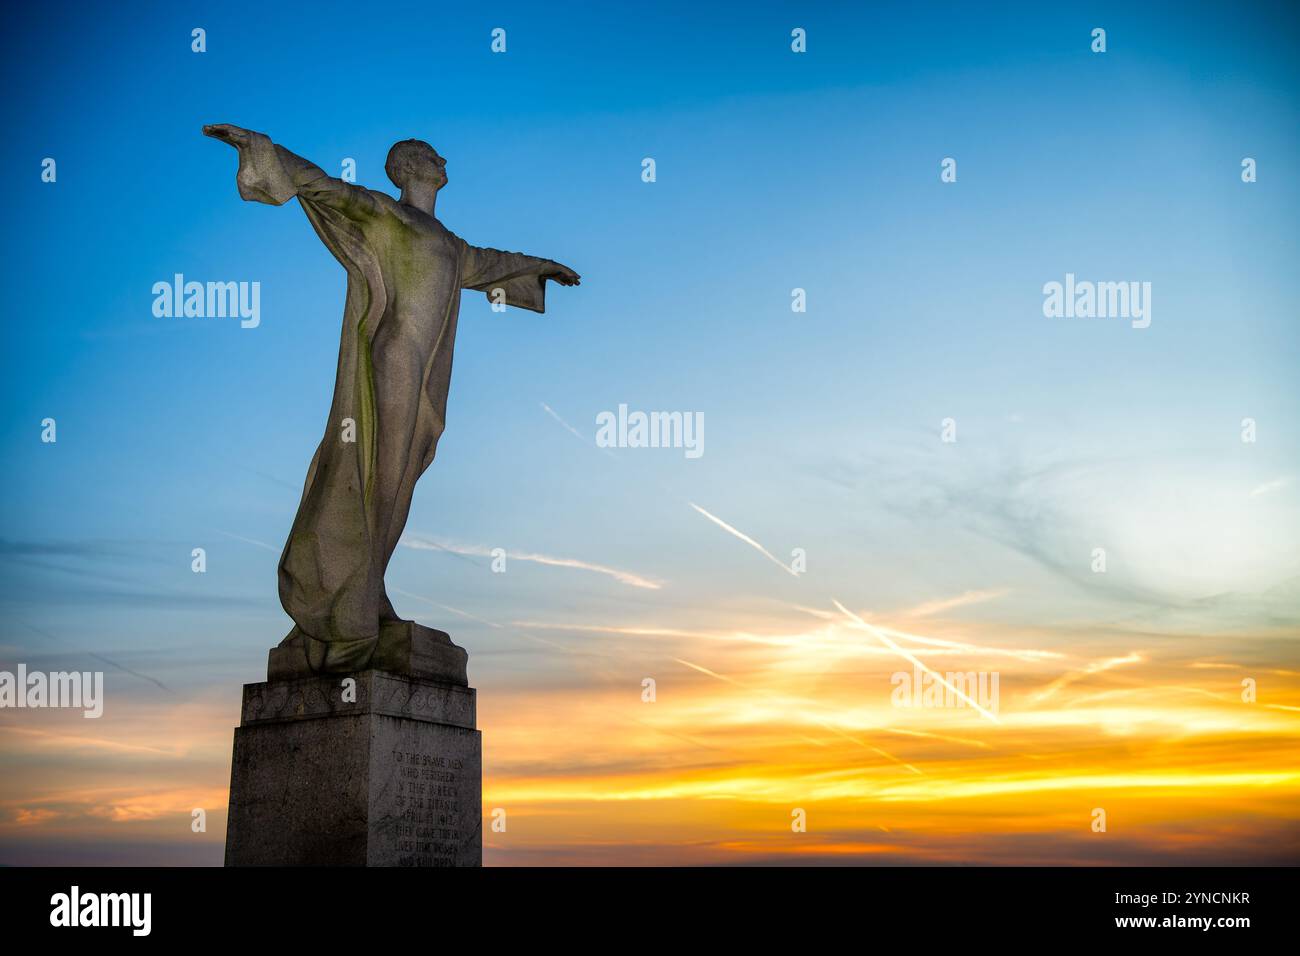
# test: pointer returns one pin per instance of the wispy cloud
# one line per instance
(1268, 487)
(81, 742)
(70, 549)
(806, 715)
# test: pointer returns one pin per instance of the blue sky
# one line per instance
(774, 171)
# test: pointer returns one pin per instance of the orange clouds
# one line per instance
(748, 726)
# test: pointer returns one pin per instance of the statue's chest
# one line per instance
(423, 247)
(421, 268)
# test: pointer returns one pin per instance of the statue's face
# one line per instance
(437, 169)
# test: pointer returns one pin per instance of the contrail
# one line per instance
(964, 647)
(804, 714)
(279, 481)
(714, 518)
(745, 538)
(480, 620)
(1096, 667)
(253, 541)
(616, 629)
(956, 740)
(573, 431)
(127, 670)
(815, 612)
(446, 607)
(423, 544)
(968, 648)
(623, 577)
(961, 600)
(100, 657)
(912, 658)
(705, 670)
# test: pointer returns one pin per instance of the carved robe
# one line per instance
(405, 275)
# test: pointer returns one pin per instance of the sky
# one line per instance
(1119, 690)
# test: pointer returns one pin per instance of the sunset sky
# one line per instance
(1119, 690)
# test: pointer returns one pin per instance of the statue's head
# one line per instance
(413, 160)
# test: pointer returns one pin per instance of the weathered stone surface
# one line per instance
(405, 271)
(392, 779)
(403, 647)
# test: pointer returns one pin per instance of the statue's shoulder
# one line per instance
(384, 202)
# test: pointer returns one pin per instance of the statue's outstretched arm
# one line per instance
(512, 278)
(271, 174)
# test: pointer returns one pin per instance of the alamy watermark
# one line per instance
(130, 910)
(210, 300)
(1098, 300)
(924, 689)
(72, 689)
(651, 430)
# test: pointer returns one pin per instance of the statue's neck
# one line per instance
(420, 197)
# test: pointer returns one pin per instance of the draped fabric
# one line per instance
(405, 273)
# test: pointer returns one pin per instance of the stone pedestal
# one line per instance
(389, 774)
(402, 647)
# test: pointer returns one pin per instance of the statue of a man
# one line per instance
(405, 274)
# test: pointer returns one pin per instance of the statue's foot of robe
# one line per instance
(402, 647)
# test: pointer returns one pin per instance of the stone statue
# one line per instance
(405, 273)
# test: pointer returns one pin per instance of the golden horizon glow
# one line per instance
(749, 725)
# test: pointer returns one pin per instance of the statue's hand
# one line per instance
(562, 274)
(234, 135)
